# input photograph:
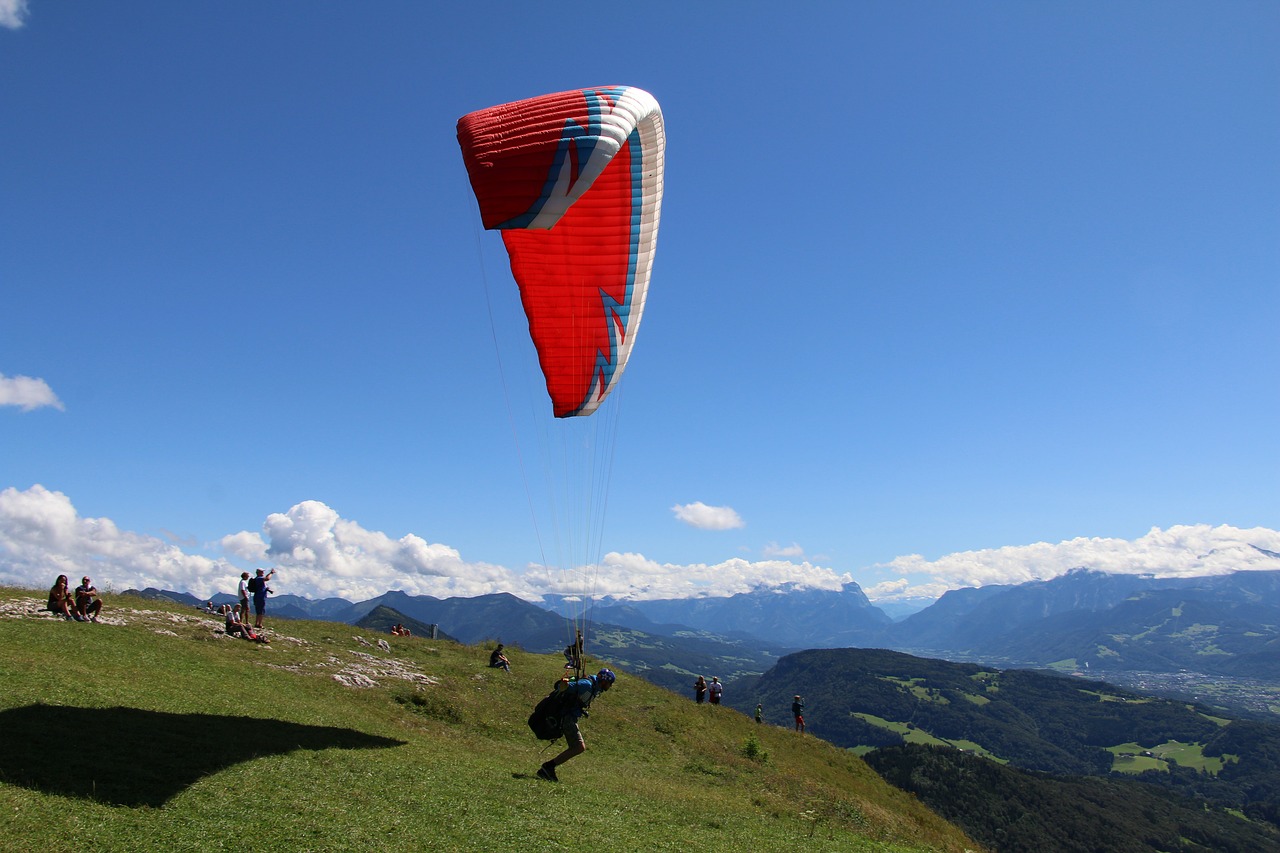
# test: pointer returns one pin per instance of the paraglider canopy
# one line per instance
(574, 182)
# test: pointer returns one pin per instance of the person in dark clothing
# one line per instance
(258, 586)
(88, 605)
(60, 598)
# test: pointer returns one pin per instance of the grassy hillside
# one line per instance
(154, 732)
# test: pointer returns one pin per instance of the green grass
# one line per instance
(918, 690)
(1124, 700)
(1131, 757)
(1220, 721)
(153, 732)
(911, 734)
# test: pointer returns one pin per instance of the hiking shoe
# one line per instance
(548, 772)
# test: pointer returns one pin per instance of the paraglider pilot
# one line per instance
(585, 690)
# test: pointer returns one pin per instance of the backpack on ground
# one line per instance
(549, 713)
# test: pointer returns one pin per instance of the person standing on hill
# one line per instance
(258, 586)
(797, 709)
(716, 689)
(584, 690)
(700, 690)
(573, 654)
(243, 592)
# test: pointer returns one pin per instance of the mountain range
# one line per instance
(1224, 625)
(1084, 620)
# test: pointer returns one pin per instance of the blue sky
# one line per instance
(945, 294)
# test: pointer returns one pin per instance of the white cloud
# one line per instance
(698, 514)
(773, 549)
(42, 536)
(1181, 551)
(245, 545)
(320, 554)
(636, 577)
(317, 551)
(13, 13)
(887, 589)
(25, 392)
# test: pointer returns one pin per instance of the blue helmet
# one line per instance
(605, 677)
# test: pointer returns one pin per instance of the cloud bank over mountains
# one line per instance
(320, 554)
(1189, 550)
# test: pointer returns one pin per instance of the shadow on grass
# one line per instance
(130, 757)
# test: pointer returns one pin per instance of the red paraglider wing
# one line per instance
(574, 180)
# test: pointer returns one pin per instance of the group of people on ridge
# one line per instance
(701, 690)
(236, 626)
(255, 586)
(237, 617)
(83, 605)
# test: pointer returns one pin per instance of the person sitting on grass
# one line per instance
(584, 690)
(88, 605)
(60, 600)
(236, 628)
(498, 660)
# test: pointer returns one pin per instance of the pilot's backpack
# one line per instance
(549, 713)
